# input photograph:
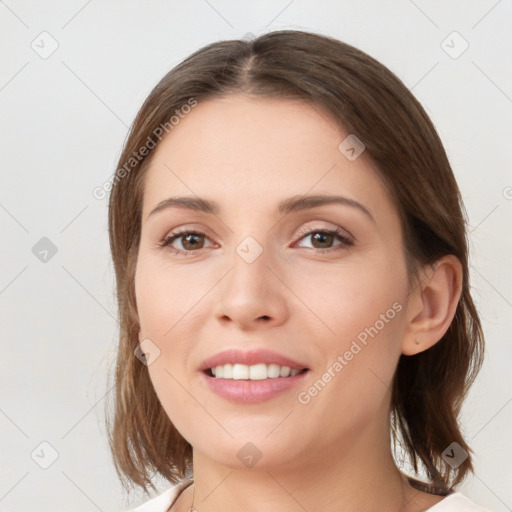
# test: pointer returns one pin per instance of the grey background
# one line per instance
(64, 120)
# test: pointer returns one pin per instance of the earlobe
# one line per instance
(438, 295)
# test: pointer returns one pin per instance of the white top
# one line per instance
(455, 502)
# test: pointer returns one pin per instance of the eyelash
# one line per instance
(346, 240)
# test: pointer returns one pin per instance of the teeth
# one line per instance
(273, 371)
(255, 372)
(240, 371)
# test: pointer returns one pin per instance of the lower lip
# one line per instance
(252, 391)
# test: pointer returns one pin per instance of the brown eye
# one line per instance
(191, 241)
(322, 239)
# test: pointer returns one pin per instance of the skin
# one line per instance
(248, 154)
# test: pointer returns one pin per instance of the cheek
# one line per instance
(166, 297)
(169, 307)
(350, 298)
(168, 383)
(364, 309)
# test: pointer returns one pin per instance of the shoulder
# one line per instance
(163, 501)
(457, 502)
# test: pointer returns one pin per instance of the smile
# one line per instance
(260, 371)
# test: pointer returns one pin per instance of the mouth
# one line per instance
(251, 376)
(254, 372)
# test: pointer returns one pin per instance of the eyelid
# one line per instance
(308, 229)
(189, 228)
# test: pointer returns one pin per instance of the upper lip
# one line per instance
(249, 357)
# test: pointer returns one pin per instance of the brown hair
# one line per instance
(368, 100)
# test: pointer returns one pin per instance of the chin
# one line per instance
(247, 452)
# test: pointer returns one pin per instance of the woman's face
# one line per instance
(255, 277)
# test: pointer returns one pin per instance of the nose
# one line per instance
(251, 294)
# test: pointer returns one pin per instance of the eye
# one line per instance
(324, 237)
(191, 241)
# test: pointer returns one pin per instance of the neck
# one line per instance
(360, 475)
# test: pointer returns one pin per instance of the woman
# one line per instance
(292, 275)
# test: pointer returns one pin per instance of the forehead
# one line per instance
(252, 152)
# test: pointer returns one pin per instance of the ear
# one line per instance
(432, 305)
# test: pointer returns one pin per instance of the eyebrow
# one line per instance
(291, 204)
